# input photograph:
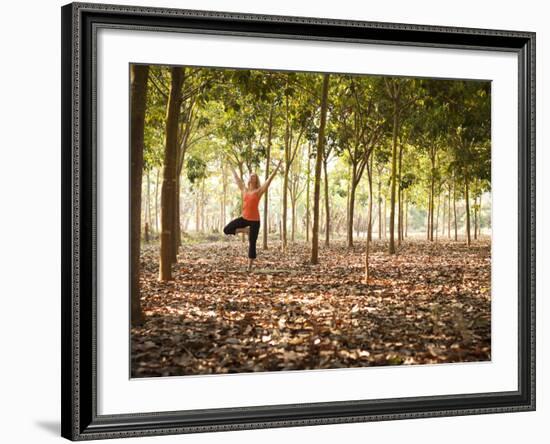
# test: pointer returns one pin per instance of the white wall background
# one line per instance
(30, 221)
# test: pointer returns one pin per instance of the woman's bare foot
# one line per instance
(244, 230)
(250, 261)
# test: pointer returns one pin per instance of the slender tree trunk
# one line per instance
(268, 159)
(139, 78)
(432, 197)
(321, 214)
(351, 209)
(293, 227)
(475, 217)
(454, 211)
(379, 208)
(169, 175)
(401, 229)
(178, 213)
(467, 193)
(157, 182)
(224, 198)
(347, 204)
(437, 216)
(203, 209)
(385, 219)
(393, 177)
(318, 165)
(367, 271)
(449, 214)
(443, 213)
(429, 214)
(146, 216)
(369, 176)
(176, 240)
(287, 148)
(369, 228)
(399, 192)
(327, 206)
(148, 224)
(285, 208)
(307, 191)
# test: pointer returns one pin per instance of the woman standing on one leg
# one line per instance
(250, 219)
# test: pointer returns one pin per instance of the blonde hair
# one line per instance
(258, 183)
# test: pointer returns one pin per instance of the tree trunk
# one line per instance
(293, 210)
(399, 195)
(432, 193)
(139, 77)
(157, 182)
(347, 204)
(318, 165)
(268, 159)
(285, 207)
(437, 216)
(367, 271)
(379, 209)
(393, 177)
(475, 217)
(385, 219)
(307, 191)
(176, 240)
(287, 162)
(467, 192)
(169, 175)
(327, 206)
(351, 207)
(149, 218)
(454, 211)
(203, 201)
(369, 227)
(369, 176)
(443, 213)
(429, 213)
(224, 197)
(449, 213)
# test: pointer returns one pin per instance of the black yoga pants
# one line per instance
(241, 222)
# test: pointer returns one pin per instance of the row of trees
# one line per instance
(428, 140)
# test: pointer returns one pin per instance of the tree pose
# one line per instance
(249, 222)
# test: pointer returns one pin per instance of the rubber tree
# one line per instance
(470, 106)
(318, 164)
(138, 98)
(360, 126)
(168, 191)
(401, 94)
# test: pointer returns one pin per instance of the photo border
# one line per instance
(80, 22)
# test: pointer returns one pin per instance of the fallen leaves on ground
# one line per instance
(428, 304)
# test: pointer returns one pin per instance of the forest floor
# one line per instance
(430, 303)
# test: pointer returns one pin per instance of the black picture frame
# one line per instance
(80, 420)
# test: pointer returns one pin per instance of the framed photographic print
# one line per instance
(274, 221)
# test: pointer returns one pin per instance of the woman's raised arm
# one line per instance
(265, 186)
(239, 181)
